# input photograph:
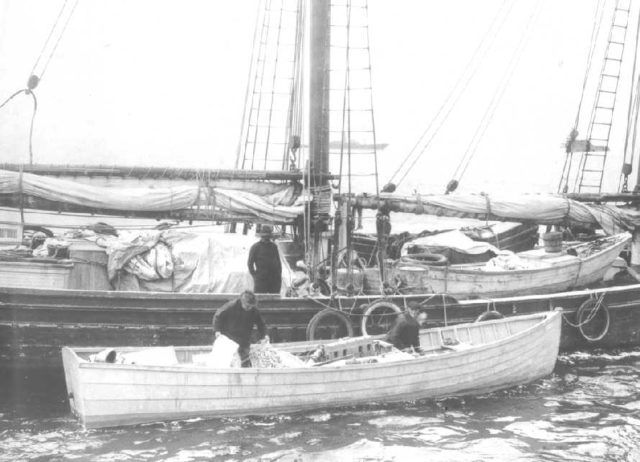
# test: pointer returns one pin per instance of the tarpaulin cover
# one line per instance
(452, 239)
(212, 263)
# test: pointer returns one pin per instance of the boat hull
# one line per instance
(36, 323)
(500, 354)
(566, 273)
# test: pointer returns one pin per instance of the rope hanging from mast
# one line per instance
(632, 120)
(490, 112)
(598, 15)
(295, 119)
(34, 79)
(471, 68)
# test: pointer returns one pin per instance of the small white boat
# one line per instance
(541, 272)
(458, 360)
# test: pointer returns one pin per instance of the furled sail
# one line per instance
(536, 208)
(279, 206)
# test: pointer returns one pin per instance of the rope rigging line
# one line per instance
(266, 26)
(497, 96)
(598, 14)
(346, 100)
(246, 93)
(593, 119)
(464, 79)
(595, 32)
(34, 80)
(294, 124)
(55, 46)
(632, 116)
(273, 87)
(373, 123)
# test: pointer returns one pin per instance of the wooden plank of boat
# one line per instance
(552, 274)
(500, 354)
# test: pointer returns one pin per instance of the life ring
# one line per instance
(489, 316)
(430, 259)
(586, 314)
(343, 326)
(379, 317)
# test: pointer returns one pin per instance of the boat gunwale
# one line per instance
(546, 318)
(479, 269)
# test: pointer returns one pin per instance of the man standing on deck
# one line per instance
(236, 319)
(264, 263)
(405, 332)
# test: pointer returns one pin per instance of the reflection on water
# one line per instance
(588, 410)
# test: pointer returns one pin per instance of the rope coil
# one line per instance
(595, 305)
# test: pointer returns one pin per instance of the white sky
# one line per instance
(161, 83)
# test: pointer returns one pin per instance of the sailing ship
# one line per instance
(36, 322)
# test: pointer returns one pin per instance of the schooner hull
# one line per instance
(36, 323)
(500, 354)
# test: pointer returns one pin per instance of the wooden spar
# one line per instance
(160, 172)
(318, 89)
(319, 60)
(629, 197)
(410, 205)
(195, 214)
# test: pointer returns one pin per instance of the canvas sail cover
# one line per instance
(535, 208)
(277, 206)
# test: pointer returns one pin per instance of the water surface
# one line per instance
(588, 410)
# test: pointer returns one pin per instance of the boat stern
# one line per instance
(71, 364)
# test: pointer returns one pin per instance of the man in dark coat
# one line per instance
(405, 332)
(264, 264)
(236, 319)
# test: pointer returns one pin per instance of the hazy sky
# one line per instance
(160, 82)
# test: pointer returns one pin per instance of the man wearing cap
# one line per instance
(236, 319)
(264, 263)
(405, 332)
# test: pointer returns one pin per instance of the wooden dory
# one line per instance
(545, 272)
(494, 355)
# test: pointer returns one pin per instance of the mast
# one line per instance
(318, 94)
(319, 59)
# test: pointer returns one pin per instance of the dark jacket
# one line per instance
(405, 332)
(264, 266)
(236, 323)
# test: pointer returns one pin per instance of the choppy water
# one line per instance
(588, 410)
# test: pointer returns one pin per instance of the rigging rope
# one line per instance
(373, 124)
(273, 89)
(595, 32)
(464, 79)
(294, 125)
(246, 93)
(55, 46)
(497, 96)
(593, 119)
(632, 113)
(34, 80)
